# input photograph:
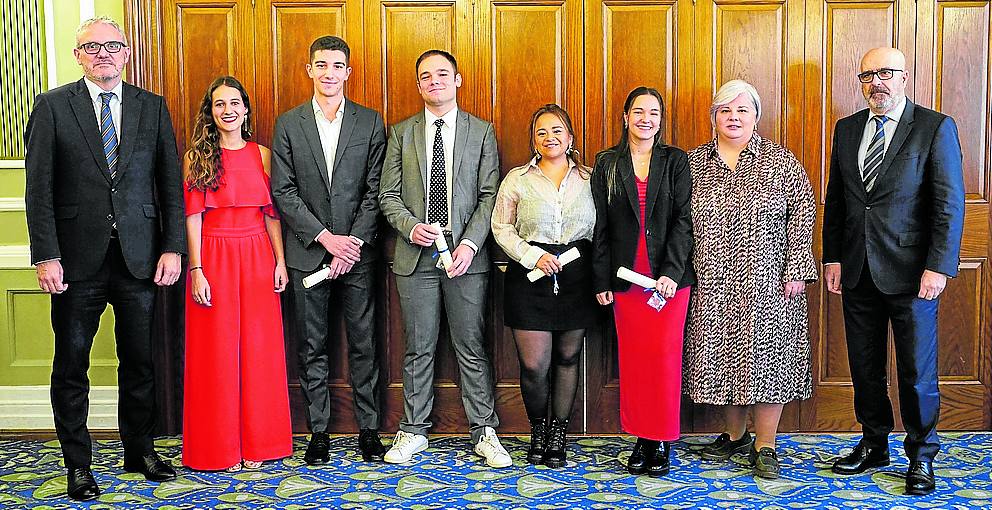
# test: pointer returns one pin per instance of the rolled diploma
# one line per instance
(442, 248)
(564, 258)
(636, 278)
(315, 278)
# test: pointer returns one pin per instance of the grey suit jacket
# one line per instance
(474, 181)
(348, 204)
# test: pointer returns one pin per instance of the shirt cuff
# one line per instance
(320, 234)
(531, 256)
(409, 237)
(361, 242)
(831, 263)
(470, 244)
(49, 260)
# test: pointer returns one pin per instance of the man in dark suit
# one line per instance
(327, 158)
(448, 191)
(892, 227)
(105, 220)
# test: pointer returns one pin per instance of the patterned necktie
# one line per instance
(437, 210)
(108, 133)
(874, 154)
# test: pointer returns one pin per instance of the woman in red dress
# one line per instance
(641, 189)
(236, 402)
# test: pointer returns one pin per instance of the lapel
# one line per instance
(625, 170)
(420, 144)
(654, 181)
(308, 124)
(461, 139)
(347, 127)
(851, 146)
(82, 107)
(131, 108)
(898, 139)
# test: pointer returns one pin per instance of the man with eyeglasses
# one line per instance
(892, 226)
(104, 209)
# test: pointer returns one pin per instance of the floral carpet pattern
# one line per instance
(449, 475)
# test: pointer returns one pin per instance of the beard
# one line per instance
(880, 99)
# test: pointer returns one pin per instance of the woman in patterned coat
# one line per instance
(747, 344)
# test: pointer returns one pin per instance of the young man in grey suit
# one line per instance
(326, 160)
(105, 217)
(892, 224)
(440, 178)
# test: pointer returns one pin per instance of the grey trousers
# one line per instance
(464, 299)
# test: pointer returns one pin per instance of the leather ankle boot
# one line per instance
(660, 462)
(538, 431)
(554, 453)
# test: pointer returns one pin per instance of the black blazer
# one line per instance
(70, 199)
(349, 205)
(668, 226)
(913, 218)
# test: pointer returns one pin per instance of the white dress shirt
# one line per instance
(115, 103)
(889, 129)
(329, 132)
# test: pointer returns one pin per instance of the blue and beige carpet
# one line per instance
(449, 475)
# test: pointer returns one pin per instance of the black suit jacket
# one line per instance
(71, 202)
(913, 218)
(668, 226)
(349, 205)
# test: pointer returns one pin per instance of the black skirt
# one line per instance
(535, 306)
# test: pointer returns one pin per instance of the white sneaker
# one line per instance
(490, 448)
(405, 445)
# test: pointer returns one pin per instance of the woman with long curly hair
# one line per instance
(236, 404)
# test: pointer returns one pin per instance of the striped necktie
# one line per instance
(874, 154)
(108, 134)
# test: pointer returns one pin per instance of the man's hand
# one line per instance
(345, 247)
(168, 270)
(605, 298)
(931, 284)
(793, 289)
(338, 267)
(50, 277)
(461, 258)
(831, 276)
(424, 235)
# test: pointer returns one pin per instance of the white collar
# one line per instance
(448, 118)
(320, 113)
(95, 90)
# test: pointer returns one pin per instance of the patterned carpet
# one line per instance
(449, 475)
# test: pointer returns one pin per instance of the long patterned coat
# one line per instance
(753, 230)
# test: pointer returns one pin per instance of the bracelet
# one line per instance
(194, 268)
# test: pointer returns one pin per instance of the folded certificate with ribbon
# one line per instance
(442, 248)
(569, 256)
(656, 301)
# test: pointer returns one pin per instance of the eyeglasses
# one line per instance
(883, 74)
(92, 48)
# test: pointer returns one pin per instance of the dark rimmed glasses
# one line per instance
(92, 48)
(884, 74)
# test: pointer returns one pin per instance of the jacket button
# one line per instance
(867, 207)
(647, 232)
(110, 217)
(113, 190)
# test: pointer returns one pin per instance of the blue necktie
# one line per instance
(108, 134)
(875, 153)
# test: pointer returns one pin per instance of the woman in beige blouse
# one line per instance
(543, 209)
(747, 345)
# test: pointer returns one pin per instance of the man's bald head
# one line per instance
(884, 95)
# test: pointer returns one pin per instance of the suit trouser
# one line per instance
(353, 291)
(75, 320)
(867, 312)
(422, 295)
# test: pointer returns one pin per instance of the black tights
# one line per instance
(536, 350)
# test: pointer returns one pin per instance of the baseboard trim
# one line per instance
(15, 256)
(30, 408)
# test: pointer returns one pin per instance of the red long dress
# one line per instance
(650, 352)
(236, 402)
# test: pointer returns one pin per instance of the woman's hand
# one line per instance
(549, 264)
(666, 287)
(201, 288)
(793, 289)
(281, 278)
(605, 298)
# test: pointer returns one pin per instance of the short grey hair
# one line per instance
(106, 20)
(729, 92)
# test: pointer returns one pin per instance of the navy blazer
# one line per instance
(914, 216)
(667, 228)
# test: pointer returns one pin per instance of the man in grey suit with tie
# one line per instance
(326, 160)
(448, 191)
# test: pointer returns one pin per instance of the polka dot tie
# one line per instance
(437, 206)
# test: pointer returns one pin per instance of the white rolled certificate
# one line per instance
(636, 278)
(317, 277)
(442, 248)
(569, 256)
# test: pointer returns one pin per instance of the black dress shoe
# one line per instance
(861, 459)
(660, 464)
(919, 478)
(639, 459)
(317, 454)
(81, 486)
(370, 445)
(724, 448)
(154, 469)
